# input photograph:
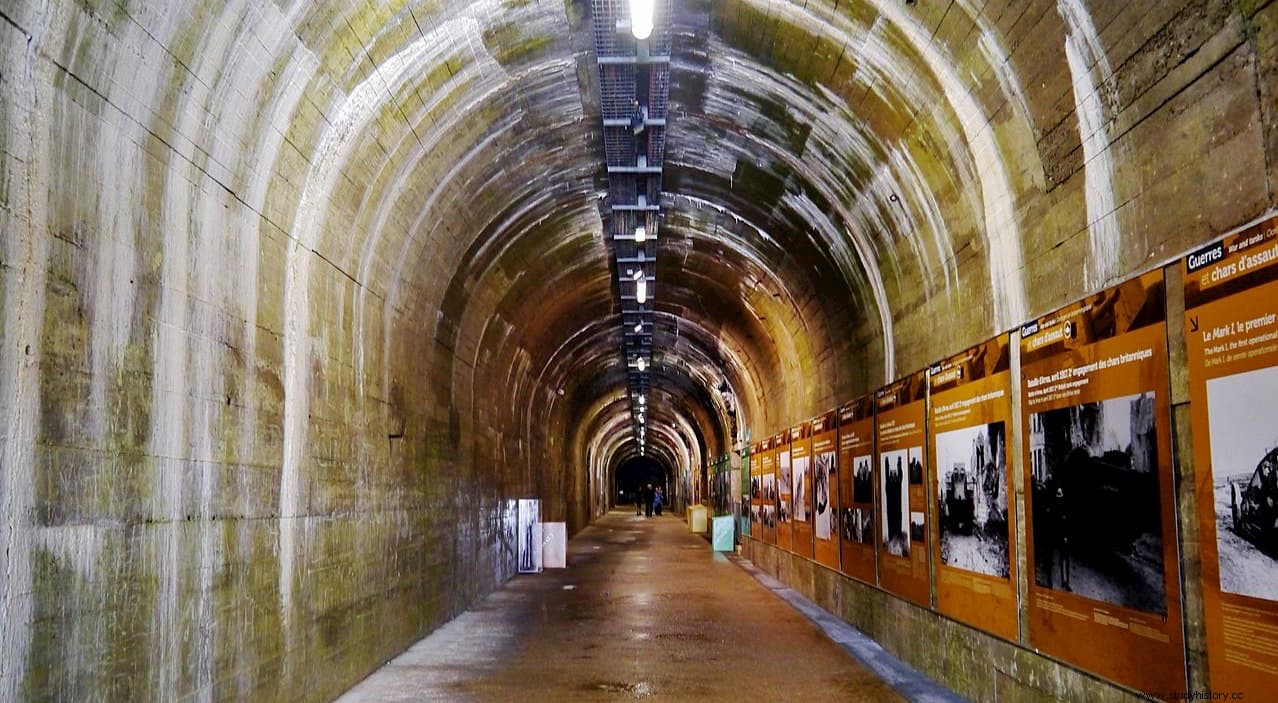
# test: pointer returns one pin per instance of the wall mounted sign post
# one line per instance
(1100, 505)
(970, 413)
(899, 423)
(1231, 333)
(825, 489)
(857, 516)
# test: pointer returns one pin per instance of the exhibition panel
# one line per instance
(801, 489)
(975, 555)
(857, 516)
(1100, 502)
(1231, 335)
(825, 489)
(899, 423)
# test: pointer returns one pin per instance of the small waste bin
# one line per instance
(698, 515)
(724, 533)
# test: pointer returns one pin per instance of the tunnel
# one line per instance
(300, 297)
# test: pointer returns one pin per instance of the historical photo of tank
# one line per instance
(863, 479)
(822, 469)
(802, 491)
(1095, 500)
(1244, 465)
(971, 498)
(895, 499)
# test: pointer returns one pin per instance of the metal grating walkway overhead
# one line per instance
(634, 85)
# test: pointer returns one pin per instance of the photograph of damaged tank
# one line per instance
(1244, 465)
(1095, 499)
(971, 497)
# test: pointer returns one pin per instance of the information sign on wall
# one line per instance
(857, 516)
(801, 488)
(768, 481)
(1104, 593)
(785, 490)
(899, 422)
(1231, 334)
(825, 491)
(970, 413)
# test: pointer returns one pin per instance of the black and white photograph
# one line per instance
(755, 511)
(916, 467)
(849, 524)
(1097, 529)
(783, 511)
(863, 479)
(895, 499)
(802, 491)
(916, 527)
(821, 472)
(769, 488)
(529, 535)
(784, 477)
(1244, 466)
(769, 516)
(755, 488)
(971, 498)
(866, 518)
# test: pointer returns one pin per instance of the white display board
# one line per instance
(554, 545)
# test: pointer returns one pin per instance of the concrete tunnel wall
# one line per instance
(297, 295)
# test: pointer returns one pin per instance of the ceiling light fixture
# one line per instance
(641, 18)
(641, 236)
(641, 363)
(641, 291)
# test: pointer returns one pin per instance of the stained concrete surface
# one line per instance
(644, 609)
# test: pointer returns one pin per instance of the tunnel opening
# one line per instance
(635, 473)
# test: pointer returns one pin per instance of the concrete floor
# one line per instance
(644, 609)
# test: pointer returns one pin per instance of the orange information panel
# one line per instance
(1231, 331)
(1100, 508)
(785, 490)
(970, 413)
(801, 488)
(856, 489)
(899, 423)
(825, 492)
(756, 491)
(768, 484)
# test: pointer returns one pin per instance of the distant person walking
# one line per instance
(657, 499)
(648, 496)
(638, 501)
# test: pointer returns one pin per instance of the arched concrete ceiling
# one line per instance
(417, 194)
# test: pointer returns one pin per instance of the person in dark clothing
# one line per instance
(639, 501)
(647, 500)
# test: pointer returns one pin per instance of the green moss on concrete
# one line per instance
(508, 44)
